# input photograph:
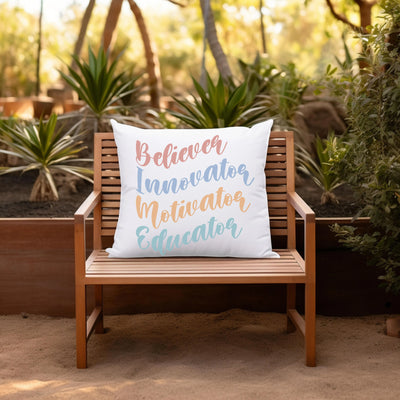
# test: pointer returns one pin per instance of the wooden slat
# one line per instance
(109, 224)
(277, 157)
(276, 172)
(277, 212)
(279, 232)
(111, 196)
(111, 189)
(277, 204)
(108, 143)
(109, 150)
(277, 196)
(110, 203)
(275, 165)
(276, 150)
(108, 166)
(278, 223)
(109, 158)
(110, 211)
(277, 189)
(196, 269)
(108, 232)
(111, 181)
(110, 172)
(275, 181)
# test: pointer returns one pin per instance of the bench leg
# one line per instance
(310, 324)
(80, 315)
(290, 304)
(98, 294)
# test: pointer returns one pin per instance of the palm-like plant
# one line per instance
(328, 154)
(98, 84)
(220, 105)
(47, 149)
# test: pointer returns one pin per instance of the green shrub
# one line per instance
(372, 164)
(282, 88)
(322, 168)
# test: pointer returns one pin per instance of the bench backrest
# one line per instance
(279, 172)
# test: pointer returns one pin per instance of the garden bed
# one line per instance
(15, 190)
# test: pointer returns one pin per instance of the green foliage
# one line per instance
(282, 88)
(220, 105)
(41, 146)
(329, 152)
(17, 52)
(372, 164)
(97, 84)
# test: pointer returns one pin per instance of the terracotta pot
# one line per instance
(73, 105)
(42, 106)
(393, 327)
(22, 107)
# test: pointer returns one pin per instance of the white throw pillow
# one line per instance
(192, 192)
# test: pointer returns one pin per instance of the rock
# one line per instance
(318, 117)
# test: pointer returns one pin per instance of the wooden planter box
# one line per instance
(37, 277)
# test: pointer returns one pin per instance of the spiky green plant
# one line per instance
(98, 84)
(321, 169)
(43, 147)
(220, 105)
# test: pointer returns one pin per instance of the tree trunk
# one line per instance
(365, 7)
(39, 50)
(365, 14)
(262, 28)
(212, 38)
(152, 63)
(82, 32)
(114, 12)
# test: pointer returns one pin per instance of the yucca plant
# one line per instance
(321, 168)
(220, 105)
(43, 147)
(99, 85)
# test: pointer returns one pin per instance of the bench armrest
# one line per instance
(80, 232)
(87, 206)
(308, 216)
(301, 207)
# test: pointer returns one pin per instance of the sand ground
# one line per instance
(232, 355)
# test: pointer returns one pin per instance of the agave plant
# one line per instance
(99, 85)
(41, 146)
(220, 105)
(328, 153)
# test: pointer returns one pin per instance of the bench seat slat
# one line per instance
(201, 268)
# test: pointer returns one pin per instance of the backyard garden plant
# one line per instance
(280, 87)
(102, 88)
(221, 105)
(46, 148)
(372, 164)
(321, 166)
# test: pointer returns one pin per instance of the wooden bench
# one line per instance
(291, 269)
